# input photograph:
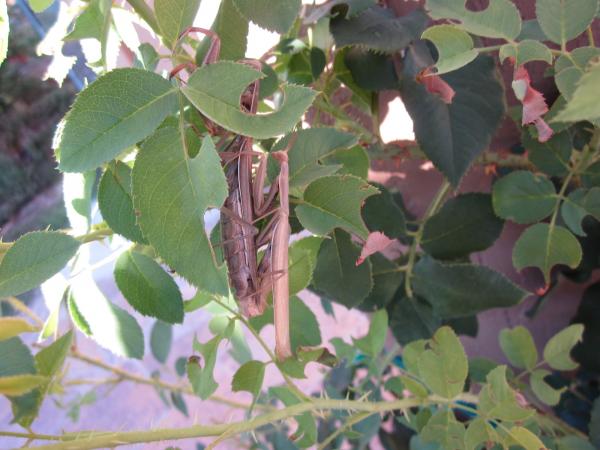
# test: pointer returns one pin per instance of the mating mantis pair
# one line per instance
(246, 204)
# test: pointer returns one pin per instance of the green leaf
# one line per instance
(563, 20)
(581, 106)
(160, 340)
(215, 89)
(525, 51)
(444, 366)
(458, 290)
(445, 430)
(202, 378)
(40, 5)
(114, 112)
(574, 443)
(302, 261)
(174, 16)
(365, 69)
(4, 28)
(91, 23)
(570, 68)
(479, 432)
(578, 205)
(109, 325)
(148, 288)
(16, 358)
(34, 258)
(524, 197)
(306, 434)
(414, 386)
(76, 315)
(544, 247)
(464, 225)
(557, 352)
(454, 46)
(308, 152)
(501, 19)
(304, 328)
(249, 377)
(179, 403)
(354, 161)
(387, 278)
(551, 157)
(170, 187)
(20, 384)
(543, 390)
(383, 213)
(49, 361)
(335, 202)
(232, 29)
(518, 346)
(116, 203)
(336, 273)
(14, 326)
(411, 354)
(453, 135)
(372, 344)
(497, 400)
(524, 438)
(412, 319)
(275, 16)
(378, 29)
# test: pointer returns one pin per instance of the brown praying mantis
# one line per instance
(247, 204)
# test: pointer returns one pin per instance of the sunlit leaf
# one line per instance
(172, 188)
(14, 326)
(563, 20)
(518, 346)
(34, 258)
(454, 46)
(557, 352)
(216, 89)
(174, 16)
(275, 16)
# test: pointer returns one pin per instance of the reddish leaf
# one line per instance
(436, 85)
(534, 104)
(375, 242)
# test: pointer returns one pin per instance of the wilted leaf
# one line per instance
(376, 242)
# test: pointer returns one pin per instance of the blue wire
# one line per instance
(41, 32)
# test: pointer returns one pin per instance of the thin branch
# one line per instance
(156, 382)
(412, 253)
(95, 439)
(22, 307)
